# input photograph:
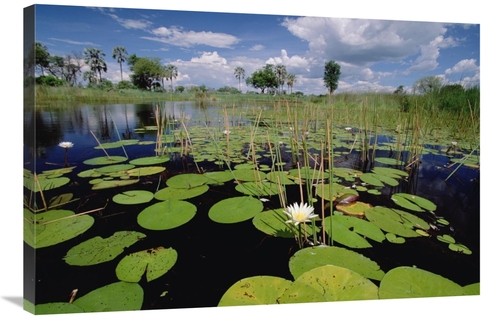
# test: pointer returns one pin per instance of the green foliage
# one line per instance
(264, 78)
(179, 89)
(146, 71)
(125, 85)
(402, 98)
(228, 90)
(331, 76)
(428, 84)
(49, 80)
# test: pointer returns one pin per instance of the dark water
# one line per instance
(211, 256)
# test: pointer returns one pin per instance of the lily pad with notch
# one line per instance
(155, 262)
(166, 215)
(236, 209)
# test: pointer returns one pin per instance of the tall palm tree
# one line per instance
(290, 80)
(171, 73)
(121, 55)
(94, 58)
(239, 72)
(280, 71)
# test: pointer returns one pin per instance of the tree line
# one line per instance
(148, 73)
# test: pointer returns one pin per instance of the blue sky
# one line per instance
(206, 47)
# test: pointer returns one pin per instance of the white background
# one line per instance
(482, 12)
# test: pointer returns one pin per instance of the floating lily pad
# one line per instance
(180, 193)
(329, 283)
(218, 177)
(360, 226)
(165, 215)
(150, 160)
(235, 209)
(258, 290)
(44, 183)
(99, 250)
(114, 168)
(388, 161)
(392, 238)
(333, 191)
(390, 172)
(410, 282)
(356, 209)
(57, 308)
(472, 289)
(249, 175)
(186, 181)
(258, 188)
(283, 178)
(346, 172)
(104, 184)
(390, 220)
(343, 234)
(118, 296)
(145, 171)
(460, 248)
(133, 197)
(446, 239)
(155, 262)
(93, 173)
(53, 227)
(312, 257)
(273, 222)
(413, 202)
(105, 160)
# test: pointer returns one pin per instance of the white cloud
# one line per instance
(292, 63)
(210, 58)
(257, 47)
(75, 42)
(176, 36)
(468, 65)
(363, 42)
(130, 23)
(429, 54)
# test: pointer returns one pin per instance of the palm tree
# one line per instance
(280, 70)
(239, 72)
(120, 54)
(94, 58)
(290, 80)
(171, 73)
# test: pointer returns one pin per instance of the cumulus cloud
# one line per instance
(364, 42)
(257, 47)
(178, 37)
(210, 58)
(429, 54)
(468, 65)
(294, 62)
(75, 42)
(130, 23)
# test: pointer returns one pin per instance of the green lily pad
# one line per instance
(165, 215)
(57, 308)
(273, 222)
(218, 177)
(150, 160)
(258, 290)
(356, 209)
(283, 178)
(187, 180)
(133, 197)
(114, 168)
(312, 257)
(346, 172)
(390, 172)
(332, 192)
(390, 220)
(410, 282)
(104, 184)
(360, 226)
(105, 160)
(235, 209)
(249, 175)
(343, 234)
(118, 296)
(53, 227)
(392, 238)
(329, 283)
(145, 171)
(372, 179)
(446, 239)
(43, 183)
(258, 188)
(93, 173)
(460, 248)
(413, 202)
(98, 250)
(155, 262)
(180, 193)
(472, 289)
(388, 161)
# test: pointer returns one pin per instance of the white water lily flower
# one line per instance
(454, 143)
(66, 144)
(348, 129)
(302, 213)
(227, 132)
